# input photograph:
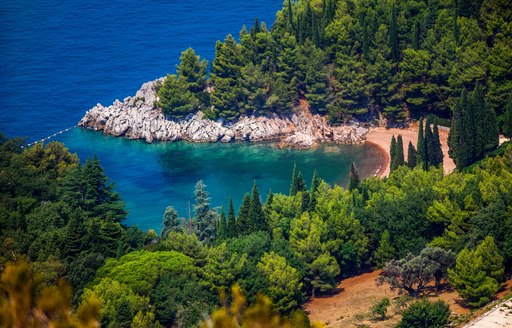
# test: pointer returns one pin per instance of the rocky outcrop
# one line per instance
(137, 118)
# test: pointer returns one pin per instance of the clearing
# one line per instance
(349, 305)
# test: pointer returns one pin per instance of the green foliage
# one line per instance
(507, 119)
(321, 268)
(380, 308)
(426, 314)
(353, 178)
(412, 156)
(474, 128)
(284, 282)
(413, 273)
(205, 219)
(185, 92)
(244, 222)
(385, 252)
(231, 223)
(170, 222)
(256, 214)
(477, 273)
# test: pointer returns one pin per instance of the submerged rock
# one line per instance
(138, 118)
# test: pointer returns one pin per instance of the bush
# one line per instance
(426, 314)
(380, 309)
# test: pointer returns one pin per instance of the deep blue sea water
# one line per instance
(59, 58)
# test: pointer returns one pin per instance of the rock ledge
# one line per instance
(137, 118)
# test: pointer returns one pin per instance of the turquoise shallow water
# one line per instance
(153, 176)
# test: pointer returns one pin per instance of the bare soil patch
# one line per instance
(381, 137)
(350, 305)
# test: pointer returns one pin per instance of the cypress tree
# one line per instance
(222, 228)
(315, 183)
(301, 184)
(399, 155)
(429, 145)
(353, 177)
(456, 139)
(270, 198)
(315, 31)
(305, 201)
(420, 145)
(490, 128)
(290, 17)
(232, 230)
(437, 150)
(256, 214)
(507, 118)
(477, 117)
(244, 222)
(256, 28)
(293, 185)
(392, 154)
(411, 156)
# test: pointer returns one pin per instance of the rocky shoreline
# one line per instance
(137, 118)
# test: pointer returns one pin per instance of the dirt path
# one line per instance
(350, 305)
(382, 137)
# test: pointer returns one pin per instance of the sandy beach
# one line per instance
(381, 137)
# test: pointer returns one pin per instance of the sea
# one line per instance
(59, 58)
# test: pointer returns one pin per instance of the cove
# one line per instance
(150, 177)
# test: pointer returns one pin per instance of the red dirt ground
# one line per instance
(350, 305)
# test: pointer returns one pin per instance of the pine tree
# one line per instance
(354, 178)
(74, 233)
(385, 252)
(175, 99)
(416, 35)
(399, 156)
(507, 118)
(420, 145)
(244, 222)
(232, 230)
(393, 36)
(109, 236)
(392, 154)
(170, 222)
(193, 71)
(412, 156)
(256, 214)
(204, 220)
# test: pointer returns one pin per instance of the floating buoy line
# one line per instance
(49, 137)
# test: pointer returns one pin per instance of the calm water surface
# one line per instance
(60, 58)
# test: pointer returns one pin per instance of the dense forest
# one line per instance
(64, 220)
(348, 59)
(67, 257)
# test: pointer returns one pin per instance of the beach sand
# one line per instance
(381, 137)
